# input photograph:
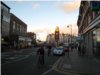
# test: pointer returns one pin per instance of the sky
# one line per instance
(42, 17)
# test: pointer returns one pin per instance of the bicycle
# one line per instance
(40, 61)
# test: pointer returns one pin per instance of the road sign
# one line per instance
(95, 6)
(80, 35)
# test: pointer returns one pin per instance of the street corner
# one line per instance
(60, 66)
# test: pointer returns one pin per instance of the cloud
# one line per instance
(19, 1)
(62, 28)
(22, 0)
(67, 7)
(36, 5)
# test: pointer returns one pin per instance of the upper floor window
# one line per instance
(17, 27)
(20, 28)
(13, 25)
(5, 18)
(93, 15)
(4, 8)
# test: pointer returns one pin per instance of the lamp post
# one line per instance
(63, 37)
(71, 35)
(50, 38)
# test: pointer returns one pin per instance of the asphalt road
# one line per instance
(25, 63)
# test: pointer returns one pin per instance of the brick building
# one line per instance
(18, 32)
(31, 35)
(89, 25)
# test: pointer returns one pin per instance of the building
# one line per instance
(89, 25)
(63, 38)
(18, 32)
(5, 25)
(31, 35)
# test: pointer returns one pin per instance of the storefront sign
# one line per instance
(95, 6)
(79, 39)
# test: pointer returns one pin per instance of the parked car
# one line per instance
(66, 48)
(59, 51)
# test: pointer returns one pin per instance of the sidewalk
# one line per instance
(79, 64)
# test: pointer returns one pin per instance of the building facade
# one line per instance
(5, 24)
(63, 38)
(89, 25)
(31, 35)
(18, 33)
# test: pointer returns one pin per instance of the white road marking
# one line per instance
(26, 56)
(21, 58)
(51, 65)
(32, 52)
(48, 71)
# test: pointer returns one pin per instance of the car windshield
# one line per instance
(59, 48)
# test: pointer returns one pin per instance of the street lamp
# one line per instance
(71, 35)
(63, 37)
(50, 38)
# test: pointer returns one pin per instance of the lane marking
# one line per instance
(32, 52)
(48, 71)
(15, 60)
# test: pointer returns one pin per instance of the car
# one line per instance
(58, 51)
(66, 48)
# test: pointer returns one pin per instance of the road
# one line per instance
(25, 63)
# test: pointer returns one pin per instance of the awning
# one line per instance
(25, 39)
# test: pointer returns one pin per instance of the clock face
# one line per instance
(56, 33)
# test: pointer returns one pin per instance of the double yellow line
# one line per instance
(56, 69)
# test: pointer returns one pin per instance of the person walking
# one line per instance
(83, 51)
(79, 50)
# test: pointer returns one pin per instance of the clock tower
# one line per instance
(57, 35)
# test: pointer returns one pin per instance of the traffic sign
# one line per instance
(80, 35)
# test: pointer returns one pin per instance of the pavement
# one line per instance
(79, 64)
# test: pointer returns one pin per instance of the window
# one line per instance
(93, 15)
(88, 2)
(13, 26)
(20, 28)
(23, 29)
(17, 27)
(4, 8)
(5, 18)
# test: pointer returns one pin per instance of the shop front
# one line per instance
(92, 38)
(96, 43)
(24, 42)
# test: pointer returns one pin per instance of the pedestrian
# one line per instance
(83, 51)
(79, 50)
